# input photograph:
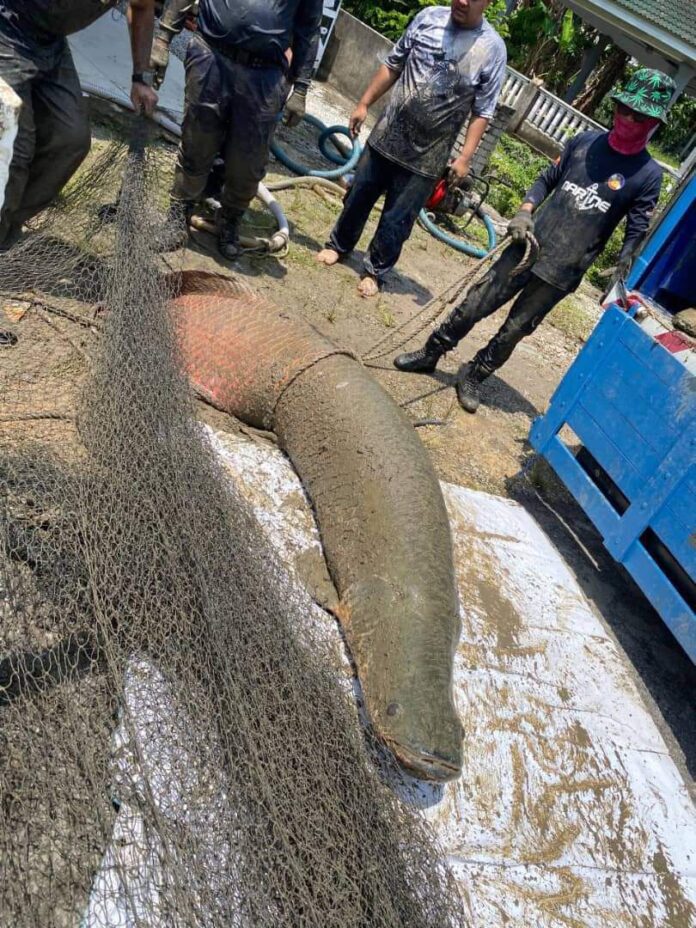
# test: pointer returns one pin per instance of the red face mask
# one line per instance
(629, 137)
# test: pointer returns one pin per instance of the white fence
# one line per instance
(547, 112)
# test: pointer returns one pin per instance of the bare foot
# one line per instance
(328, 256)
(368, 286)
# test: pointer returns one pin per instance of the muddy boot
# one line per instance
(175, 233)
(228, 236)
(424, 360)
(469, 381)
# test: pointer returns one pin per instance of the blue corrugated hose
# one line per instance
(345, 164)
(457, 243)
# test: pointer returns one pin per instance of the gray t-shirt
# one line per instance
(446, 73)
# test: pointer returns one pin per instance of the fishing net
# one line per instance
(175, 749)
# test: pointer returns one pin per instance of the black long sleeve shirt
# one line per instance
(266, 28)
(588, 191)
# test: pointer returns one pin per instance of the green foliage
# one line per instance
(391, 17)
(517, 166)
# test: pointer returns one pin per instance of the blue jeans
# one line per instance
(406, 194)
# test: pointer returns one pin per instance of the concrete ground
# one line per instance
(614, 647)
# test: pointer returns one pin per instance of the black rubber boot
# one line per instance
(469, 381)
(176, 226)
(228, 236)
(424, 360)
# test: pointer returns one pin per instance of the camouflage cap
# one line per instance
(648, 92)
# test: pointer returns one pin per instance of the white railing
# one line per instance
(513, 87)
(547, 113)
(558, 119)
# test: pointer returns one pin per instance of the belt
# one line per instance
(244, 57)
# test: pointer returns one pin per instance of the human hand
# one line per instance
(296, 107)
(159, 59)
(520, 225)
(623, 267)
(357, 120)
(457, 174)
(143, 98)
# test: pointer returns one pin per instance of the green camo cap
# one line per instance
(648, 92)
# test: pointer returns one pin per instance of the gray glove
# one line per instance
(623, 266)
(296, 107)
(521, 224)
(159, 59)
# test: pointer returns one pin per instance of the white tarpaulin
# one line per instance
(569, 813)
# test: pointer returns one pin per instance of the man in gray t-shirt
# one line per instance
(448, 65)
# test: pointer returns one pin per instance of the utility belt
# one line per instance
(244, 57)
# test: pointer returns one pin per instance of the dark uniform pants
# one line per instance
(406, 193)
(230, 110)
(536, 299)
(53, 137)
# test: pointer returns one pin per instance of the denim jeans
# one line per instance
(405, 193)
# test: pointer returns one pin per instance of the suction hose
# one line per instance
(345, 163)
(457, 243)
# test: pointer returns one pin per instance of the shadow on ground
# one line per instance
(661, 669)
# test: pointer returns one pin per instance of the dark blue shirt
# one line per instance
(266, 28)
(590, 189)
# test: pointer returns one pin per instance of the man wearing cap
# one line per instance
(448, 66)
(53, 135)
(243, 60)
(600, 179)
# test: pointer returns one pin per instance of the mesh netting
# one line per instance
(174, 747)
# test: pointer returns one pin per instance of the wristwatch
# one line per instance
(142, 77)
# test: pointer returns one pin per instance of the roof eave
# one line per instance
(648, 34)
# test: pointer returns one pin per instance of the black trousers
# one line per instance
(406, 193)
(53, 136)
(535, 301)
(230, 110)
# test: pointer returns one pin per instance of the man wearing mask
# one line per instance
(53, 136)
(600, 179)
(240, 66)
(449, 65)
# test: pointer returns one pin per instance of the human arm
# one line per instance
(638, 221)
(549, 178)
(482, 111)
(386, 75)
(522, 222)
(141, 23)
(383, 79)
(461, 166)
(301, 58)
(171, 23)
(305, 42)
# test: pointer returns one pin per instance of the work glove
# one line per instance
(296, 107)
(453, 180)
(159, 59)
(623, 266)
(521, 224)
